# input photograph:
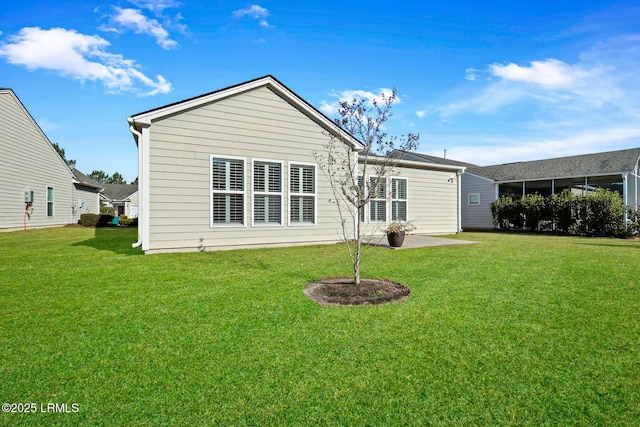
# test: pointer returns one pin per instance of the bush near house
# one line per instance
(633, 220)
(95, 220)
(598, 213)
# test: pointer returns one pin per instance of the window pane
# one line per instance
(399, 189)
(275, 178)
(398, 211)
(378, 210)
(259, 177)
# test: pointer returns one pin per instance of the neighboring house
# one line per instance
(123, 198)
(481, 185)
(37, 187)
(236, 168)
(86, 195)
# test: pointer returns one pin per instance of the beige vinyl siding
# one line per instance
(477, 216)
(253, 125)
(90, 202)
(431, 202)
(29, 162)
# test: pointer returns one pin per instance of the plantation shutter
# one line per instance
(398, 199)
(302, 189)
(227, 183)
(267, 189)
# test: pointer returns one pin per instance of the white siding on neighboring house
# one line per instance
(481, 189)
(29, 162)
(85, 200)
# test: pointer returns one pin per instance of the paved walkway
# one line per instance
(412, 241)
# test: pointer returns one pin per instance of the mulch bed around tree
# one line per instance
(342, 291)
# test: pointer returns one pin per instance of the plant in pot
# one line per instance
(396, 231)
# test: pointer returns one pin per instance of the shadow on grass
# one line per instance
(114, 239)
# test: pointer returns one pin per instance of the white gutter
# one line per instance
(137, 136)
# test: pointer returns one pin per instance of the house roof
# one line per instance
(147, 117)
(119, 191)
(598, 164)
(433, 159)
(83, 179)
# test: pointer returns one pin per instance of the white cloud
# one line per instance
(499, 150)
(255, 12)
(331, 108)
(80, 57)
(156, 6)
(550, 74)
(133, 19)
(471, 73)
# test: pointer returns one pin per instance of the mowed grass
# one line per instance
(515, 330)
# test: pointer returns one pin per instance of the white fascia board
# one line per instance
(415, 164)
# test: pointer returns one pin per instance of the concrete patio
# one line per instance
(412, 241)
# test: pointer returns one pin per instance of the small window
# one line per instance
(302, 194)
(50, 200)
(267, 193)
(474, 198)
(227, 192)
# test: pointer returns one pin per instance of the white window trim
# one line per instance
(469, 199)
(387, 198)
(53, 202)
(391, 199)
(314, 195)
(243, 192)
(261, 193)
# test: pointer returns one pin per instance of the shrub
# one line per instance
(125, 221)
(89, 219)
(534, 208)
(107, 210)
(507, 213)
(604, 213)
(599, 213)
(562, 208)
(633, 220)
(105, 220)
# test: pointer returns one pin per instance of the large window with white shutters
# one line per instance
(227, 191)
(302, 194)
(267, 192)
(398, 199)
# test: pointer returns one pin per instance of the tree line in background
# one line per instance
(98, 176)
(598, 213)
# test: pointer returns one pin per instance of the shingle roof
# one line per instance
(84, 179)
(607, 163)
(433, 159)
(119, 191)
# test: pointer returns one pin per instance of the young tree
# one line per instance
(347, 171)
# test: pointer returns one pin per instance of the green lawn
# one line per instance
(516, 330)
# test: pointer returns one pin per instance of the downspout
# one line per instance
(459, 176)
(625, 199)
(138, 136)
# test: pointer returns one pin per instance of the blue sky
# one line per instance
(489, 82)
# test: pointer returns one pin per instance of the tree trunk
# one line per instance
(358, 239)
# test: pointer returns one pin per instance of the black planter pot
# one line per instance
(395, 239)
